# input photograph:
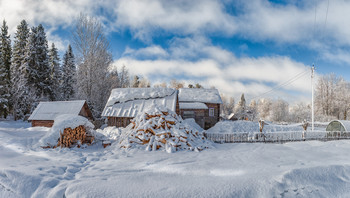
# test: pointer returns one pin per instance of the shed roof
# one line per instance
(50, 110)
(127, 102)
(199, 95)
(192, 105)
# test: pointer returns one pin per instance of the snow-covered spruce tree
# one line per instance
(93, 60)
(36, 61)
(240, 109)
(20, 94)
(55, 73)
(5, 72)
(68, 75)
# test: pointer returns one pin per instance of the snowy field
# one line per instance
(300, 169)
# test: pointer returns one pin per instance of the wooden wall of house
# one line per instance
(42, 123)
(119, 121)
(85, 112)
(210, 121)
(202, 117)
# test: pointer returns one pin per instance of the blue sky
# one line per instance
(236, 46)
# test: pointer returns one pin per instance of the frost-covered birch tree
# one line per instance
(5, 74)
(279, 111)
(93, 60)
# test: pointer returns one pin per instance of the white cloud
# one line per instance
(220, 68)
(183, 17)
(151, 51)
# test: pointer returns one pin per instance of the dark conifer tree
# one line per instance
(55, 73)
(20, 95)
(5, 74)
(68, 75)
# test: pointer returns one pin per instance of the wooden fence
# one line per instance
(276, 137)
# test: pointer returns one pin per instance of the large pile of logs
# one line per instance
(163, 130)
(74, 137)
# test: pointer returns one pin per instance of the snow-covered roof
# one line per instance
(127, 102)
(192, 105)
(199, 95)
(121, 95)
(50, 110)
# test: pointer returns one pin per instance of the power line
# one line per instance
(284, 84)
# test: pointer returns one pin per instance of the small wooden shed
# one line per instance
(46, 112)
(125, 103)
(203, 105)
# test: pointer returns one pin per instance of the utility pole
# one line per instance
(312, 97)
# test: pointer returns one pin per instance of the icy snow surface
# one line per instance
(299, 169)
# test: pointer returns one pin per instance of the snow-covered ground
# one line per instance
(300, 169)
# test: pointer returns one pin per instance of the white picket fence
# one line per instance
(278, 137)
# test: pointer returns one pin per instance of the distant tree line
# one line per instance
(332, 101)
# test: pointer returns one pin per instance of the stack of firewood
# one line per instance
(163, 131)
(72, 137)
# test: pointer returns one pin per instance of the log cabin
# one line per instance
(203, 105)
(46, 112)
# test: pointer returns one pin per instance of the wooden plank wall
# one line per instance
(119, 122)
(43, 123)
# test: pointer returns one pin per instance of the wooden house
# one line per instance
(46, 112)
(203, 105)
(125, 103)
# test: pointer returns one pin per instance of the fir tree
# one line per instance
(55, 73)
(20, 94)
(68, 75)
(37, 64)
(5, 75)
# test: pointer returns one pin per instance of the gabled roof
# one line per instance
(50, 110)
(199, 95)
(127, 102)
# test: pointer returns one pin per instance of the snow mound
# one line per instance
(248, 126)
(158, 128)
(62, 122)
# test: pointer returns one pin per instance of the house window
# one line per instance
(211, 112)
